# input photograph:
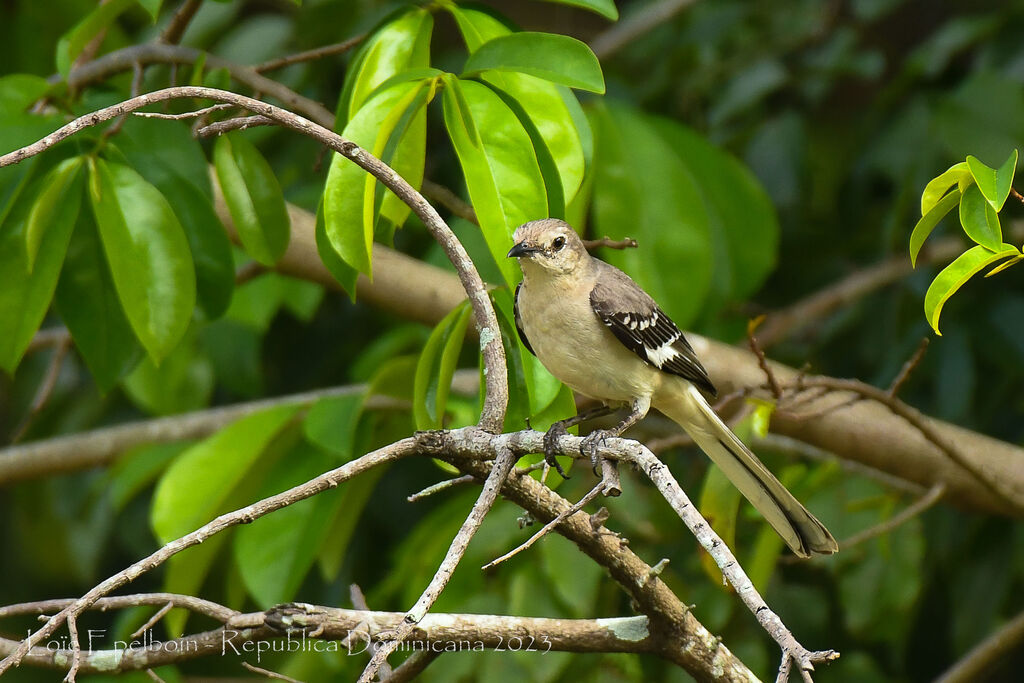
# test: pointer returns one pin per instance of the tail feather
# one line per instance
(801, 530)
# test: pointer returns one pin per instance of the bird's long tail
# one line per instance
(801, 530)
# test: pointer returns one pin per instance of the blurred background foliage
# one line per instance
(834, 115)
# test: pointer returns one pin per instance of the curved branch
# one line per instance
(496, 398)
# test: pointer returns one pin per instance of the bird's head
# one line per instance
(550, 244)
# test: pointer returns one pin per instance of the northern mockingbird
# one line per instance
(598, 332)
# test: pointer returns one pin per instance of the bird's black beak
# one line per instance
(522, 249)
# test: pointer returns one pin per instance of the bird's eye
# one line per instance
(558, 243)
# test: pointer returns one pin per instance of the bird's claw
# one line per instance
(551, 438)
(592, 443)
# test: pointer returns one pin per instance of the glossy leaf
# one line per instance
(979, 220)
(25, 295)
(743, 226)
(349, 195)
(935, 190)
(552, 57)
(436, 366)
(401, 44)
(254, 198)
(74, 41)
(59, 200)
(606, 8)
(928, 222)
(88, 304)
(994, 184)
(193, 489)
(500, 167)
(345, 274)
(148, 253)
(953, 277)
(642, 189)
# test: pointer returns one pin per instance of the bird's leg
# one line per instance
(560, 429)
(592, 442)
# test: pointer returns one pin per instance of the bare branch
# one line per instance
(441, 486)
(45, 390)
(489, 493)
(310, 55)
(635, 25)
(908, 367)
(929, 499)
(175, 29)
(269, 674)
(240, 123)
(186, 115)
(986, 653)
(609, 243)
(193, 604)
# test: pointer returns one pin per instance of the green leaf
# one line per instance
(400, 44)
(436, 366)
(644, 190)
(935, 190)
(148, 255)
(953, 277)
(254, 198)
(26, 295)
(151, 6)
(331, 424)
(275, 553)
(995, 185)
(59, 200)
(137, 468)
(928, 222)
(345, 274)
(606, 8)
(184, 381)
(979, 219)
(743, 226)
(74, 41)
(87, 302)
(502, 174)
(354, 498)
(193, 489)
(556, 58)
(19, 91)
(349, 194)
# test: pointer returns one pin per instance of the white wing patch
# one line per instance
(663, 354)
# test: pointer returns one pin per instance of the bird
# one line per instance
(601, 334)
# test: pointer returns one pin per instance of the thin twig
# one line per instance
(175, 29)
(76, 650)
(762, 362)
(310, 55)
(609, 243)
(151, 622)
(441, 486)
(239, 123)
(503, 463)
(152, 675)
(46, 388)
(449, 200)
(193, 604)
(908, 368)
(412, 667)
(184, 115)
(268, 673)
(987, 653)
(635, 25)
(929, 499)
(543, 531)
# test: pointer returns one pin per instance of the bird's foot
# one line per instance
(592, 443)
(551, 437)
